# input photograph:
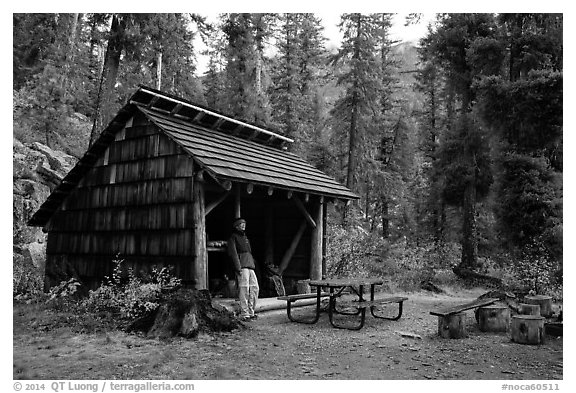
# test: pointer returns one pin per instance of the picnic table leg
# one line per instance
(391, 319)
(316, 317)
(336, 311)
(362, 313)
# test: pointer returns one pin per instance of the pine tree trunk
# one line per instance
(469, 241)
(385, 218)
(105, 101)
(352, 150)
(159, 70)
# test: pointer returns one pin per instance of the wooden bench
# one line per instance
(294, 298)
(361, 306)
(451, 322)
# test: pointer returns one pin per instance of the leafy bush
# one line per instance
(131, 297)
(359, 253)
(349, 252)
(26, 280)
(63, 295)
(534, 271)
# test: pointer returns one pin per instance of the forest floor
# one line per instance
(272, 347)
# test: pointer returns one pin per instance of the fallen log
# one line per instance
(429, 286)
(471, 275)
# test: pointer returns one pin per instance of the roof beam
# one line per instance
(218, 123)
(236, 130)
(152, 101)
(215, 203)
(176, 109)
(302, 208)
(244, 124)
(198, 117)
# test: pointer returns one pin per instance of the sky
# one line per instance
(398, 32)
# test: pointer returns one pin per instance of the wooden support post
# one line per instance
(302, 208)
(290, 251)
(494, 318)
(452, 325)
(237, 209)
(527, 329)
(269, 239)
(215, 203)
(200, 267)
(324, 235)
(316, 251)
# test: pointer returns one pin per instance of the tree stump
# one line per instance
(545, 303)
(528, 329)
(185, 313)
(529, 309)
(452, 326)
(494, 318)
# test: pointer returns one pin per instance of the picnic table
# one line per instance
(336, 288)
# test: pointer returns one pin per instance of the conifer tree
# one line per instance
(464, 161)
(245, 67)
(523, 105)
(296, 78)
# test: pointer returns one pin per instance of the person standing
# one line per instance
(241, 254)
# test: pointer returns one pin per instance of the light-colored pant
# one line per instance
(247, 292)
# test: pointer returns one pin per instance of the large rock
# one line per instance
(37, 170)
(28, 195)
(58, 161)
(36, 253)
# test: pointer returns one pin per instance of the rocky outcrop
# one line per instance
(37, 170)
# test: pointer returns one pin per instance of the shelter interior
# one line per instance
(273, 222)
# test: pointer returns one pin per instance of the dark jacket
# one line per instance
(240, 252)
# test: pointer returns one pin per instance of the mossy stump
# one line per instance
(529, 309)
(494, 318)
(527, 329)
(545, 303)
(452, 325)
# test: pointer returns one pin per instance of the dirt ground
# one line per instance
(272, 347)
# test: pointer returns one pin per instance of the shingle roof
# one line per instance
(233, 158)
(228, 149)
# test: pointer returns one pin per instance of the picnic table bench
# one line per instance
(451, 322)
(362, 305)
(294, 298)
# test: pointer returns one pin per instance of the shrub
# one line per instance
(534, 270)
(349, 252)
(63, 296)
(131, 297)
(26, 281)
(355, 252)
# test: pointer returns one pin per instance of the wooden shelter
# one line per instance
(162, 185)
